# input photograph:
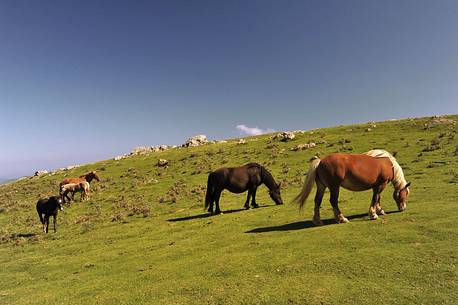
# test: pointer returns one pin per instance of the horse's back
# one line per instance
(355, 171)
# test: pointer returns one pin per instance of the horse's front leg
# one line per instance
(46, 225)
(375, 209)
(318, 199)
(339, 217)
(247, 202)
(253, 198)
(54, 222)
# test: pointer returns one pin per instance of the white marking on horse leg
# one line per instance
(379, 209)
(343, 219)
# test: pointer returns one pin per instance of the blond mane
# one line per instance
(399, 182)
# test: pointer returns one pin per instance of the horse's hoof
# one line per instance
(255, 206)
(373, 217)
(381, 212)
(317, 223)
(246, 207)
(343, 219)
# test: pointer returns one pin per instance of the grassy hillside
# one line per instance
(143, 237)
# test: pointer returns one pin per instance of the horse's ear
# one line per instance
(407, 185)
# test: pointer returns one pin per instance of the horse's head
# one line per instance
(274, 193)
(58, 200)
(400, 196)
(93, 175)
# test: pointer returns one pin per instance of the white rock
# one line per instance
(303, 146)
(162, 162)
(196, 141)
(141, 150)
(241, 141)
(285, 136)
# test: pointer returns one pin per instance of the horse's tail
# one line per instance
(210, 191)
(39, 213)
(308, 183)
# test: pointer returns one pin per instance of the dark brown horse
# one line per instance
(238, 180)
(88, 177)
(355, 172)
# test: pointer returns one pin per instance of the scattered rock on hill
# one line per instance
(285, 136)
(303, 146)
(141, 150)
(196, 141)
(438, 120)
(117, 158)
(162, 162)
(241, 142)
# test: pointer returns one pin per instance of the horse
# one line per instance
(46, 208)
(238, 180)
(354, 172)
(82, 187)
(87, 177)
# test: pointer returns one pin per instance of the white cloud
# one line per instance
(253, 131)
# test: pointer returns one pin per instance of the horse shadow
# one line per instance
(23, 235)
(206, 215)
(300, 225)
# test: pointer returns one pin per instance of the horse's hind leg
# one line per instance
(217, 197)
(318, 199)
(340, 218)
(253, 198)
(247, 202)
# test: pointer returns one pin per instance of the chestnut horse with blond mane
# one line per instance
(354, 172)
(88, 177)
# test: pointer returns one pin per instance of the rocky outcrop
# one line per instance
(303, 146)
(285, 136)
(162, 162)
(196, 141)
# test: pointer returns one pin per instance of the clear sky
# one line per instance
(86, 80)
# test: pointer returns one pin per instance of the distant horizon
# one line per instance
(31, 173)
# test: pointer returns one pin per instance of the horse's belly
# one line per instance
(355, 185)
(236, 190)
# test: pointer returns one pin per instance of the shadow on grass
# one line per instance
(205, 215)
(300, 225)
(24, 235)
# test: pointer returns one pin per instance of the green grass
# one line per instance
(142, 237)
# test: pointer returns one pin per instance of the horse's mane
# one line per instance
(399, 181)
(267, 177)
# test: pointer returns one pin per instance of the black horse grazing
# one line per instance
(238, 180)
(46, 208)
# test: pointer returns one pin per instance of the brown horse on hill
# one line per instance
(355, 172)
(87, 177)
(238, 180)
(72, 188)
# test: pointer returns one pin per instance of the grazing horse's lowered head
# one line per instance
(90, 176)
(274, 193)
(400, 196)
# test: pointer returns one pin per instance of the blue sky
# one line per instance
(86, 80)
